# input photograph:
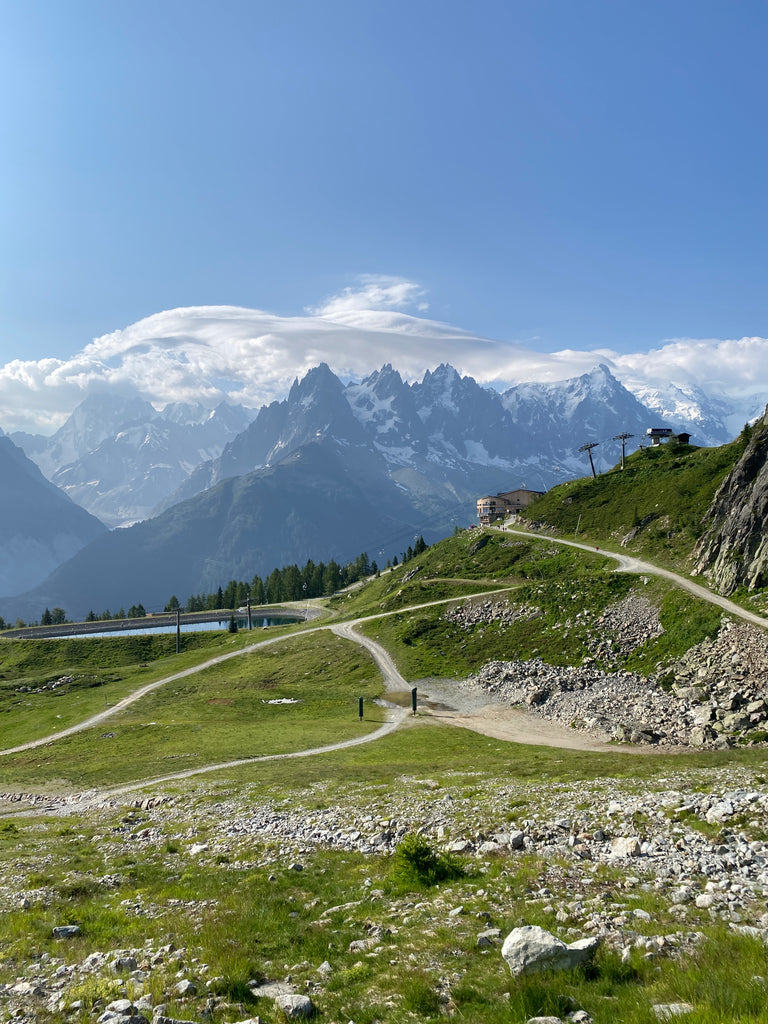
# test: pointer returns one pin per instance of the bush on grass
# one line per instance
(417, 866)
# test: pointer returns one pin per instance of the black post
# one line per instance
(360, 707)
(413, 700)
(178, 630)
(250, 620)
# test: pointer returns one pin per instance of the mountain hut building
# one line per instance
(499, 506)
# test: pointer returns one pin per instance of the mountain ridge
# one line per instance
(447, 429)
(118, 457)
(40, 527)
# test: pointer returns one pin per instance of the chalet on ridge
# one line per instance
(657, 434)
(499, 506)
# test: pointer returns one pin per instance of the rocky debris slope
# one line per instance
(727, 679)
(622, 628)
(615, 632)
(477, 613)
(638, 871)
(733, 551)
(716, 695)
(607, 705)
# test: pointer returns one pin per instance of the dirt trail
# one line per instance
(489, 718)
(382, 659)
(628, 563)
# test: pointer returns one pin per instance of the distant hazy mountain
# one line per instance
(118, 457)
(39, 526)
(323, 501)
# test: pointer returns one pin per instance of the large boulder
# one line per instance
(295, 1006)
(531, 949)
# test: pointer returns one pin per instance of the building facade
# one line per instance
(499, 506)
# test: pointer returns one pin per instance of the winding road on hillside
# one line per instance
(628, 563)
(493, 720)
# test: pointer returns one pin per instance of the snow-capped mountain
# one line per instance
(710, 419)
(331, 470)
(445, 439)
(123, 460)
(118, 457)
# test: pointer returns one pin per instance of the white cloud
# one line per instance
(727, 367)
(211, 353)
(374, 292)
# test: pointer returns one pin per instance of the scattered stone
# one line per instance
(489, 938)
(295, 1006)
(531, 949)
(668, 1011)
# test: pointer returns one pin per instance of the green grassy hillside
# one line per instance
(553, 581)
(654, 507)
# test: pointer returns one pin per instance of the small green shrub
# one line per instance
(416, 865)
(78, 887)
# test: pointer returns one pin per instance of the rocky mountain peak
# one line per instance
(316, 382)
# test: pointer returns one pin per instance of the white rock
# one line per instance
(667, 1011)
(530, 949)
(295, 1006)
(625, 846)
(124, 1006)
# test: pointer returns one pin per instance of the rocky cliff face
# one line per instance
(734, 550)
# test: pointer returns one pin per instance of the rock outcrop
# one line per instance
(733, 552)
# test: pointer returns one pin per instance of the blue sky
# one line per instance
(560, 174)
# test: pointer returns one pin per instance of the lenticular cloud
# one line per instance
(209, 354)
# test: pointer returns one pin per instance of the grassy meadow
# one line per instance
(207, 899)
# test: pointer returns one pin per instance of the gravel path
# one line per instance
(628, 563)
(392, 678)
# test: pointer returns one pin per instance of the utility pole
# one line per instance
(588, 449)
(623, 438)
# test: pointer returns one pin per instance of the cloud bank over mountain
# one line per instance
(213, 353)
